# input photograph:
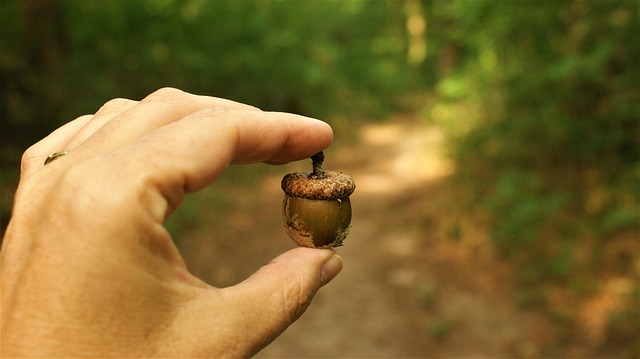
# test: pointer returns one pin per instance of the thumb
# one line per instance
(284, 288)
(254, 312)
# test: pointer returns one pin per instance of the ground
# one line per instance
(418, 280)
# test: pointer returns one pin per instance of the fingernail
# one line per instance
(330, 269)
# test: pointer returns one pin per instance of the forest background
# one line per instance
(539, 102)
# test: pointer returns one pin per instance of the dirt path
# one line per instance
(417, 281)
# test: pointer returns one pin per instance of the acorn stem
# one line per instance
(316, 161)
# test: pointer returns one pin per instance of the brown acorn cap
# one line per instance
(303, 185)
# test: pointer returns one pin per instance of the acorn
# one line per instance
(316, 211)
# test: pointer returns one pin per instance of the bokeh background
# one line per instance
(495, 145)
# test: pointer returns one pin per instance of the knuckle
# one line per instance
(165, 94)
(115, 105)
(29, 157)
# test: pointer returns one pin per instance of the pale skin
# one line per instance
(87, 267)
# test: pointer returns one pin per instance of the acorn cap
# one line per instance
(303, 185)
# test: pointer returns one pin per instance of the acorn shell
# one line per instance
(316, 223)
(316, 212)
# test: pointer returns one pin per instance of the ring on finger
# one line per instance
(54, 156)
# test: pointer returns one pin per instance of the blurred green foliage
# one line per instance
(541, 101)
(62, 58)
(551, 144)
(542, 108)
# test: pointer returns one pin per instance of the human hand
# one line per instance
(88, 268)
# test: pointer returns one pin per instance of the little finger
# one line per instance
(34, 157)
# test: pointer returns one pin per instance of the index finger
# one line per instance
(187, 155)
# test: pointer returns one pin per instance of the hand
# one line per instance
(88, 268)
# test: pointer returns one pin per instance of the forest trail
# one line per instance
(417, 281)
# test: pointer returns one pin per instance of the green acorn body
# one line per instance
(316, 211)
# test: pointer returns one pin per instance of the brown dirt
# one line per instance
(418, 281)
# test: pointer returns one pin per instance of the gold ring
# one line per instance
(53, 156)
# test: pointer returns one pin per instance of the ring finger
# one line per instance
(106, 113)
(57, 140)
(66, 136)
